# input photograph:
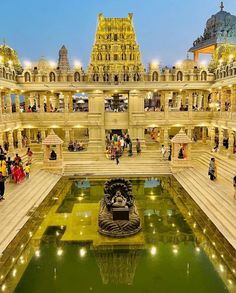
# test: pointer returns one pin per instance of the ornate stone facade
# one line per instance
(116, 94)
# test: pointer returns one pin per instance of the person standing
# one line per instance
(163, 151)
(29, 154)
(138, 147)
(117, 156)
(234, 185)
(27, 170)
(212, 172)
(2, 186)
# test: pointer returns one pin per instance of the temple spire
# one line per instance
(222, 6)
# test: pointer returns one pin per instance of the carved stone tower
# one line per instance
(63, 62)
(115, 54)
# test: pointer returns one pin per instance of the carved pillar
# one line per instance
(67, 136)
(48, 102)
(221, 138)
(190, 104)
(43, 133)
(28, 136)
(8, 103)
(17, 102)
(27, 101)
(231, 143)
(233, 99)
(190, 131)
(10, 141)
(166, 106)
(41, 102)
(166, 136)
(204, 134)
(70, 102)
(212, 135)
(96, 121)
(19, 138)
(66, 99)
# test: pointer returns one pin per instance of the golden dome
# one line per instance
(188, 64)
(10, 57)
(43, 64)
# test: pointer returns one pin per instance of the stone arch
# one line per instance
(76, 76)
(203, 75)
(155, 76)
(52, 76)
(95, 77)
(179, 76)
(27, 77)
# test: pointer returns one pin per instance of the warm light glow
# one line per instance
(175, 249)
(77, 64)
(221, 61)
(82, 252)
(153, 250)
(179, 63)
(37, 253)
(14, 272)
(52, 64)
(27, 64)
(197, 249)
(10, 62)
(155, 63)
(4, 287)
(1, 58)
(152, 197)
(222, 268)
(59, 251)
(231, 56)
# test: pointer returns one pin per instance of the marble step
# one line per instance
(223, 220)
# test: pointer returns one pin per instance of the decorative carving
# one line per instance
(118, 215)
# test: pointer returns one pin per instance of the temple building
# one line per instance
(118, 94)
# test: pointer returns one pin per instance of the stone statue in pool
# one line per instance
(118, 216)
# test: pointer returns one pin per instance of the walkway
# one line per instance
(20, 200)
(214, 198)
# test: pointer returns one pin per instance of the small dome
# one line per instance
(220, 28)
(188, 64)
(43, 64)
(10, 57)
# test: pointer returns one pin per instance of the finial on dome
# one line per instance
(4, 42)
(222, 6)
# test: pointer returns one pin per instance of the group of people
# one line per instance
(75, 146)
(116, 145)
(13, 169)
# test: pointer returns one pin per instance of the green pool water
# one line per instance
(176, 251)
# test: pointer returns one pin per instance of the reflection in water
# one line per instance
(172, 248)
(117, 265)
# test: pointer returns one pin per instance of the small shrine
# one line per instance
(52, 147)
(181, 150)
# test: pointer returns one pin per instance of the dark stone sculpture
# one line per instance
(118, 215)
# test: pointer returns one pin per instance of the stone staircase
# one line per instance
(226, 168)
(147, 164)
(20, 200)
(214, 198)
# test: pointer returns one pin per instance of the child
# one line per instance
(27, 170)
